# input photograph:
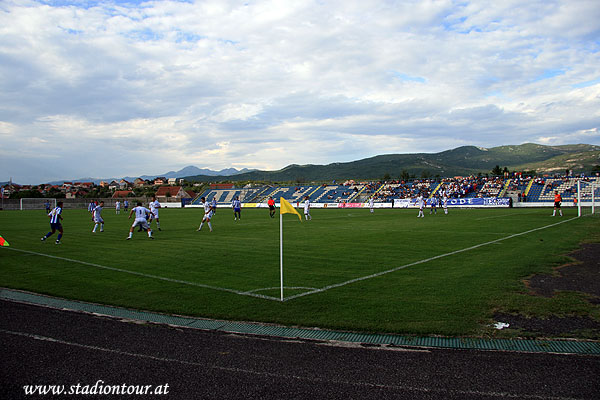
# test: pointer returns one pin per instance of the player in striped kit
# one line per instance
(55, 225)
(236, 204)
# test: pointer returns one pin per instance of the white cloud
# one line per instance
(103, 88)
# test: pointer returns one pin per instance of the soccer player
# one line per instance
(445, 201)
(214, 205)
(47, 204)
(126, 205)
(433, 203)
(140, 219)
(91, 207)
(98, 217)
(421, 204)
(371, 203)
(154, 206)
(118, 207)
(307, 209)
(55, 225)
(236, 204)
(271, 204)
(208, 213)
(557, 200)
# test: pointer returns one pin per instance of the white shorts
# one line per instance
(98, 220)
(154, 214)
(207, 216)
(141, 222)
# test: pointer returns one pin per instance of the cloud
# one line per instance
(113, 88)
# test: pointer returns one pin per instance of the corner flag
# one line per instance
(3, 242)
(286, 208)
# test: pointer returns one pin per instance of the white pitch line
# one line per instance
(363, 278)
(278, 287)
(314, 291)
(162, 278)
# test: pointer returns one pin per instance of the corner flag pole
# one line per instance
(284, 208)
(281, 253)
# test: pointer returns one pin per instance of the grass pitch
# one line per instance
(346, 269)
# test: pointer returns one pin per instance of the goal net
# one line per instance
(588, 198)
(36, 203)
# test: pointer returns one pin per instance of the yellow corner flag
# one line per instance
(3, 242)
(286, 208)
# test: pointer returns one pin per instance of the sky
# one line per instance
(128, 88)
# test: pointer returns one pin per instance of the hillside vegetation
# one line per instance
(465, 160)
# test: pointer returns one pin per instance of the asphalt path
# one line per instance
(89, 354)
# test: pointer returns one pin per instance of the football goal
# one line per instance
(36, 203)
(588, 198)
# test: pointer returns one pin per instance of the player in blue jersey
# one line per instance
(213, 204)
(140, 219)
(236, 204)
(98, 217)
(433, 202)
(55, 225)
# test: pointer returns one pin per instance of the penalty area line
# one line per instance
(377, 274)
(150, 276)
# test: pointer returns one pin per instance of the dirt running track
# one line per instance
(53, 347)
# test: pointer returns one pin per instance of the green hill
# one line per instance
(465, 160)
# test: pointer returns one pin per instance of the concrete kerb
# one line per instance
(563, 346)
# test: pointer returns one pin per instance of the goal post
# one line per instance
(36, 203)
(587, 196)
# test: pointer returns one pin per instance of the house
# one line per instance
(170, 192)
(124, 184)
(160, 181)
(114, 185)
(122, 193)
(172, 181)
(139, 182)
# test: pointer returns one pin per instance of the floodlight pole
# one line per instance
(579, 198)
(281, 254)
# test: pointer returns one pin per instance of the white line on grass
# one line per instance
(162, 278)
(252, 293)
(363, 278)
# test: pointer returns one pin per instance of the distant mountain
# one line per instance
(187, 171)
(191, 170)
(465, 160)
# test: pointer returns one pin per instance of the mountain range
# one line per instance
(463, 161)
(187, 171)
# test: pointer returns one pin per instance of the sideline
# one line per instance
(252, 292)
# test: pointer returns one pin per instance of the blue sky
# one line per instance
(124, 88)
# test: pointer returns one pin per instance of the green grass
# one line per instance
(451, 295)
